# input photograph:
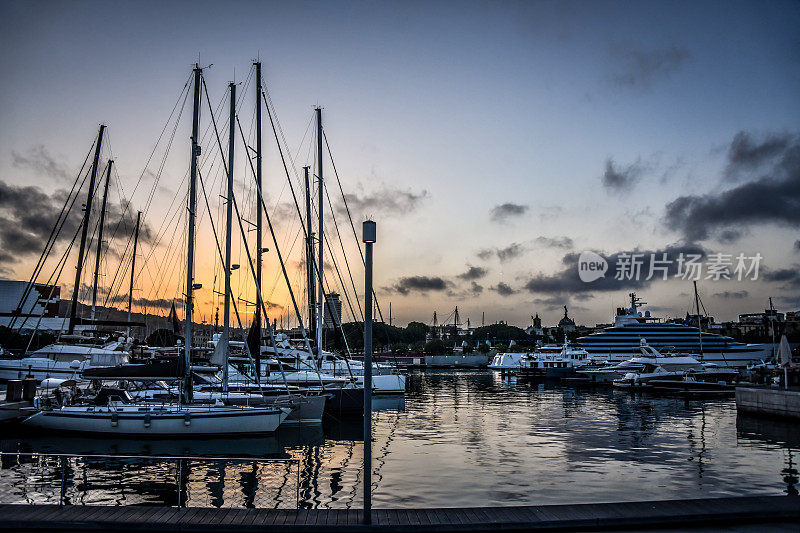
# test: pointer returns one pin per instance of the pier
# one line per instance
(766, 401)
(683, 514)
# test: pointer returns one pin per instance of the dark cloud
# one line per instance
(40, 161)
(158, 303)
(503, 289)
(485, 254)
(555, 242)
(789, 276)
(771, 197)
(729, 236)
(747, 153)
(503, 212)
(382, 201)
(474, 289)
(737, 295)
(28, 215)
(640, 69)
(512, 251)
(421, 284)
(473, 272)
(621, 178)
(551, 303)
(797, 246)
(566, 281)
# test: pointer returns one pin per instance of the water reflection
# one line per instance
(462, 438)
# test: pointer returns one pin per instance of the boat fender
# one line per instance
(147, 420)
(114, 420)
(187, 419)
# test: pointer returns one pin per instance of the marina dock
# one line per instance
(683, 514)
(767, 401)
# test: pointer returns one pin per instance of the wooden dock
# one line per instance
(681, 514)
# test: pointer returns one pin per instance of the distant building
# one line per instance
(536, 326)
(39, 308)
(566, 324)
(333, 304)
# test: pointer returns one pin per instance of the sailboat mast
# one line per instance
(86, 214)
(259, 244)
(100, 238)
(187, 389)
(133, 270)
(312, 297)
(226, 314)
(699, 323)
(320, 233)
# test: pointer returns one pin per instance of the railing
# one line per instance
(176, 481)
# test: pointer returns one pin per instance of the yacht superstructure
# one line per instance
(621, 341)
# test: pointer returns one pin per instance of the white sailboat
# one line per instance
(181, 419)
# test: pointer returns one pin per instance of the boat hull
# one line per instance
(344, 400)
(152, 423)
(39, 368)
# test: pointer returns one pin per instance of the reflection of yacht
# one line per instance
(621, 342)
(67, 359)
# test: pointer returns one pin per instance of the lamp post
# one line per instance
(369, 232)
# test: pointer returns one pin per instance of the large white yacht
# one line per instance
(66, 359)
(651, 361)
(621, 342)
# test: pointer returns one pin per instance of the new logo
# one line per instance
(591, 266)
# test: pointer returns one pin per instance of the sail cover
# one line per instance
(784, 352)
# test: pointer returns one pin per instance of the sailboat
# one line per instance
(73, 353)
(116, 416)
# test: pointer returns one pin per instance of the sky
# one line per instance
(492, 142)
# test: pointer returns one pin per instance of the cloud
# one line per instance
(421, 284)
(473, 273)
(729, 236)
(797, 246)
(555, 242)
(512, 251)
(621, 179)
(474, 289)
(566, 282)
(790, 276)
(551, 303)
(28, 215)
(38, 159)
(485, 253)
(640, 69)
(773, 197)
(503, 289)
(157, 303)
(737, 295)
(746, 153)
(381, 202)
(503, 212)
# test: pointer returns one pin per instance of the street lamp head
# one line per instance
(369, 231)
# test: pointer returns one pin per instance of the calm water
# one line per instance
(468, 439)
